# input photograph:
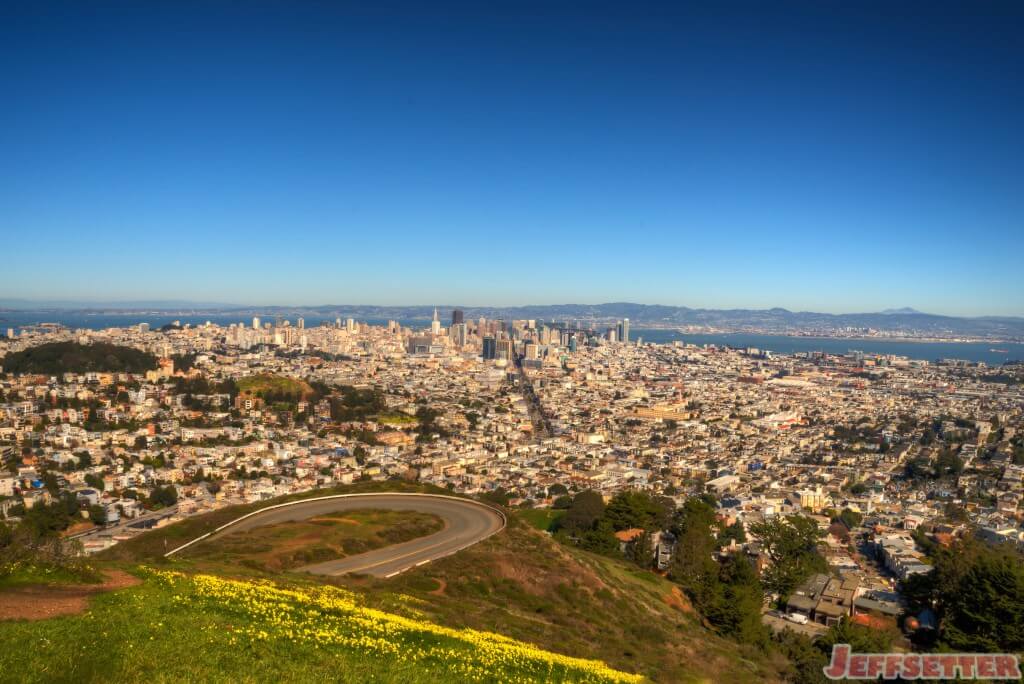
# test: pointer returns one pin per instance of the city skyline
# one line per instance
(818, 159)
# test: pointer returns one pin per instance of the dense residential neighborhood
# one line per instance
(888, 456)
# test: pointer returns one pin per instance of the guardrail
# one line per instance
(500, 513)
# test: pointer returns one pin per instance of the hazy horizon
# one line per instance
(177, 304)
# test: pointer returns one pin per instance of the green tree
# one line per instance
(736, 610)
(557, 490)
(98, 514)
(791, 544)
(583, 514)
(806, 660)
(860, 639)
(163, 496)
(732, 532)
(600, 539)
(980, 589)
(693, 565)
(948, 463)
(636, 509)
(852, 519)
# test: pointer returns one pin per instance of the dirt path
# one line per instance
(39, 602)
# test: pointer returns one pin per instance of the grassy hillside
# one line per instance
(55, 358)
(269, 385)
(201, 628)
(524, 585)
(518, 583)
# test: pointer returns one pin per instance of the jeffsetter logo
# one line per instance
(920, 665)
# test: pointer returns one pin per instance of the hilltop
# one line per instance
(519, 583)
(56, 358)
(275, 387)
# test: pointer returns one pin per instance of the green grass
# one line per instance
(288, 545)
(542, 519)
(35, 574)
(183, 630)
(278, 384)
(527, 586)
(397, 419)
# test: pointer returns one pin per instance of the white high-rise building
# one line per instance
(255, 322)
(458, 334)
(435, 325)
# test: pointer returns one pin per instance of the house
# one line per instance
(805, 597)
(878, 604)
(626, 537)
(823, 599)
(89, 497)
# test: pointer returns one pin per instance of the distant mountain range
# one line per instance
(898, 321)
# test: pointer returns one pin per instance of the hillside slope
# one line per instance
(54, 358)
(176, 627)
(523, 584)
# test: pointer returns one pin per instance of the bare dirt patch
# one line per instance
(441, 586)
(39, 602)
(678, 600)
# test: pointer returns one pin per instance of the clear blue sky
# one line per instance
(829, 156)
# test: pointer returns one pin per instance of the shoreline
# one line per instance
(818, 336)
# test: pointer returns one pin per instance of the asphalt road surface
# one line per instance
(465, 523)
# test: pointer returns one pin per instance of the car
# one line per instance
(798, 618)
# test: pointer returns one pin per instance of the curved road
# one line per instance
(466, 522)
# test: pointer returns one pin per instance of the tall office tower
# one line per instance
(458, 334)
(302, 323)
(337, 322)
(350, 324)
(572, 344)
(623, 330)
(10, 333)
(392, 327)
(435, 325)
(530, 351)
(255, 322)
(490, 348)
(611, 334)
(458, 317)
